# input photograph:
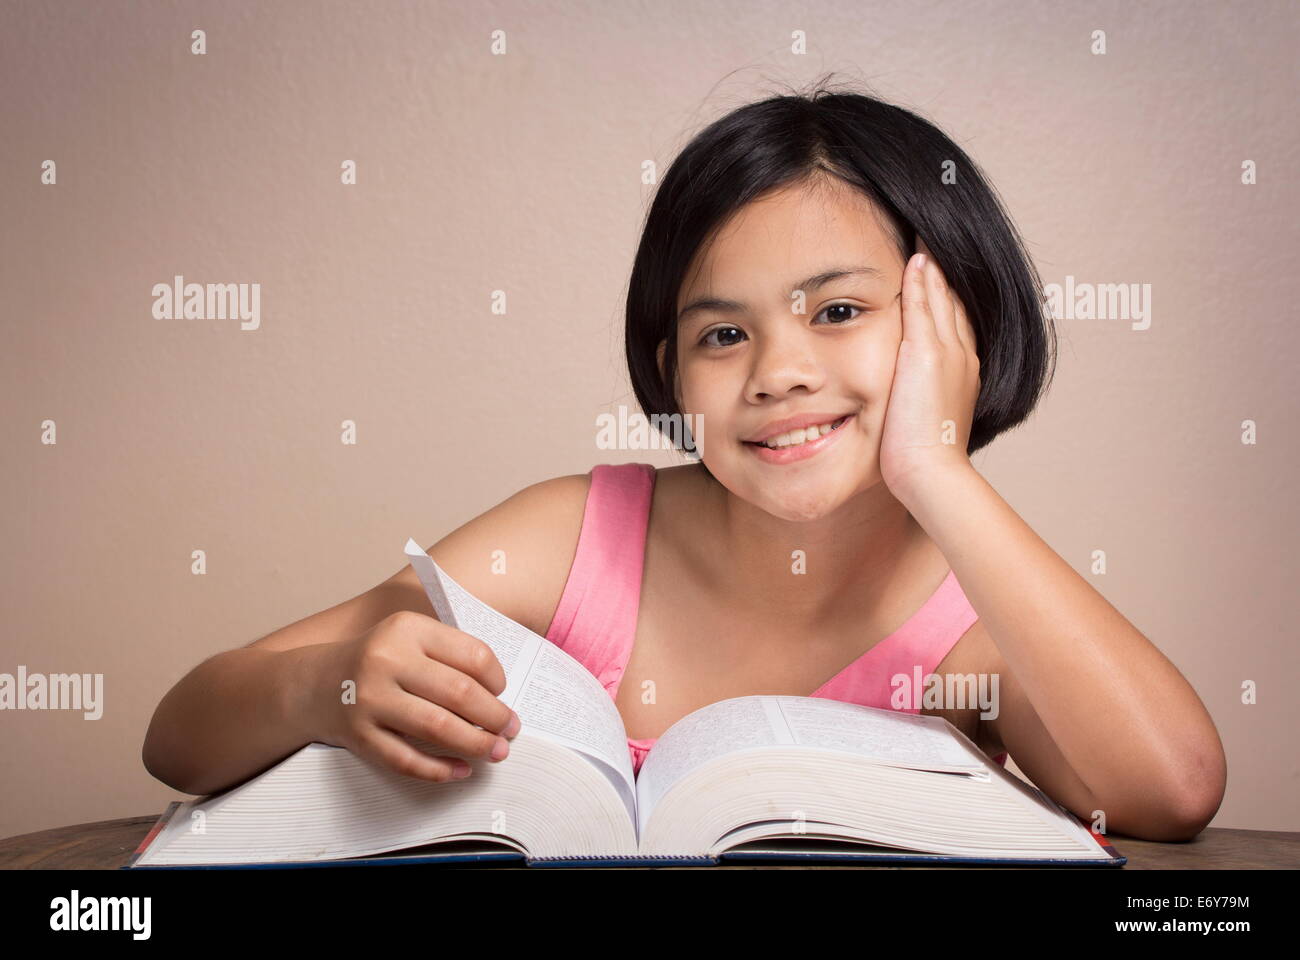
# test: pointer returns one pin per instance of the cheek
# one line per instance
(872, 368)
(709, 386)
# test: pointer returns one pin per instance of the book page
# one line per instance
(742, 723)
(702, 735)
(556, 697)
(886, 736)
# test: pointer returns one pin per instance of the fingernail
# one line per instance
(512, 728)
(920, 261)
(459, 771)
(501, 750)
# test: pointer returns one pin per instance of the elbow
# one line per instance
(154, 766)
(154, 756)
(1186, 810)
(1180, 824)
(1199, 800)
(1201, 782)
(168, 776)
(1172, 823)
(1204, 787)
(149, 754)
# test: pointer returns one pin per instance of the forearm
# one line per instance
(1113, 704)
(232, 716)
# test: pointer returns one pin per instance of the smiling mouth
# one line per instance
(808, 436)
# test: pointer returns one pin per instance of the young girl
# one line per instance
(828, 283)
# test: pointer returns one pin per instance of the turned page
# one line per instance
(555, 696)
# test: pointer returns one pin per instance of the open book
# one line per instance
(759, 777)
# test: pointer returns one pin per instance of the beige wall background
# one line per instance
(479, 172)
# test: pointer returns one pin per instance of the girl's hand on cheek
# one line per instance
(936, 382)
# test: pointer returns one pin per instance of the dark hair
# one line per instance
(897, 159)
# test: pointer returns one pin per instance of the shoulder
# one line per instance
(516, 556)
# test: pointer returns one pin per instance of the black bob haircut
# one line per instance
(917, 177)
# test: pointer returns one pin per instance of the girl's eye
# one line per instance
(836, 322)
(705, 338)
(844, 306)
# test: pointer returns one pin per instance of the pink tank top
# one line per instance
(595, 621)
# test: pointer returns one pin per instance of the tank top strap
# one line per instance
(914, 650)
(595, 621)
(930, 636)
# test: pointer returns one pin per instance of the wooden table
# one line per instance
(108, 844)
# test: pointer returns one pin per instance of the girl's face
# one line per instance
(793, 309)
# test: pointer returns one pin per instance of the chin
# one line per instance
(802, 506)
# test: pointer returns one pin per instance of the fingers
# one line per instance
(469, 655)
(941, 305)
(438, 683)
(386, 749)
(944, 308)
(407, 713)
(965, 330)
(918, 322)
(951, 322)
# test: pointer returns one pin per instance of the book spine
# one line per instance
(1105, 844)
(630, 856)
(153, 832)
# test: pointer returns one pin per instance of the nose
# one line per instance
(781, 364)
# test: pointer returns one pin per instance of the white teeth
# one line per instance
(795, 437)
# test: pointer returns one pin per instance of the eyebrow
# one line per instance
(812, 283)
